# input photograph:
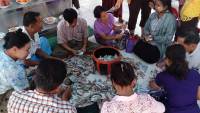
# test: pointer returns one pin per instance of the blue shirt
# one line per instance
(161, 29)
(12, 74)
(182, 94)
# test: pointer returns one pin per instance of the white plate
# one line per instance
(23, 3)
(3, 7)
(50, 20)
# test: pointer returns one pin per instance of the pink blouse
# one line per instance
(136, 103)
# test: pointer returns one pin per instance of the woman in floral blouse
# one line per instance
(126, 101)
(12, 74)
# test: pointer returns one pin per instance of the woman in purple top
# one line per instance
(181, 83)
(104, 27)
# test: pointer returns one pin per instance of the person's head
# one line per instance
(122, 75)
(188, 39)
(33, 21)
(175, 61)
(100, 13)
(162, 5)
(49, 74)
(70, 15)
(17, 44)
(180, 36)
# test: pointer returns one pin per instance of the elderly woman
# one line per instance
(161, 26)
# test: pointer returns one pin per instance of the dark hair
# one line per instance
(17, 38)
(30, 18)
(179, 33)
(179, 67)
(122, 73)
(98, 10)
(70, 15)
(185, 33)
(167, 3)
(192, 38)
(49, 74)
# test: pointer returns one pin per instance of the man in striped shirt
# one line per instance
(44, 99)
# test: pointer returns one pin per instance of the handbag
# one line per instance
(147, 52)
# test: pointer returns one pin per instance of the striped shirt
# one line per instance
(35, 102)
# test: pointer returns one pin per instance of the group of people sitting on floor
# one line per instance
(25, 47)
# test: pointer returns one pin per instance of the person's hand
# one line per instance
(4, 2)
(67, 94)
(118, 36)
(124, 26)
(74, 52)
(55, 58)
(151, 5)
(153, 85)
(118, 4)
(83, 49)
(129, 2)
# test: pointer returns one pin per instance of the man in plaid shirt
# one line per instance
(44, 99)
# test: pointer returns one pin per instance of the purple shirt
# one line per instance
(106, 29)
(182, 94)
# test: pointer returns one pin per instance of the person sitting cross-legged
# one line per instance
(72, 34)
(40, 48)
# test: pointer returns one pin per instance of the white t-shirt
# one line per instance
(194, 59)
(35, 44)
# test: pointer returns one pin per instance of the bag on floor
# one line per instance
(147, 52)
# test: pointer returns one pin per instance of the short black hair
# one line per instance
(179, 67)
(122, 73)
(70, 15)
(180, 33)
(17, 38)
(98, 10)
(192, 38)
(30, 18)
(49, 74)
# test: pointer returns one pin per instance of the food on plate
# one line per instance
(50, 20)
(22, 1)
(4, 3)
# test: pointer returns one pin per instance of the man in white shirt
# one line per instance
(40, 48)
(191, 42)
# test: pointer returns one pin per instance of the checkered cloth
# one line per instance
(35, 102)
